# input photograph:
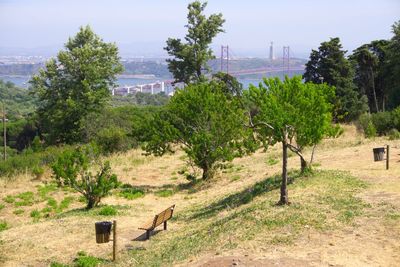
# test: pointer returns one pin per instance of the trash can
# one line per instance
(103, 230)
(378, 153)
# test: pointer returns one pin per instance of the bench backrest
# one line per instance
(163, 216)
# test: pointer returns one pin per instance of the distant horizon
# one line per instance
(141, 29)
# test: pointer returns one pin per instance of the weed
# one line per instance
(83, 260)
(131, 193)
(44, 190)
(2, 206)
(108, 211)
(9, 199)
(272, 161)
(164, 193)
(18, 211)
(35, 214)
(3, 226)
(26, 199)
(52, 203)
(235, 178)
(64, 204)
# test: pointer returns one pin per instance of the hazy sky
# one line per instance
(250, 25)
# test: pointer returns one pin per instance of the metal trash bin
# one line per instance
(379, 153)
(103, 231)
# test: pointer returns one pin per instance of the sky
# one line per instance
(140, 28)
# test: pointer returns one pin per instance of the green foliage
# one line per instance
(394, 134)
(38, 172)
(35, 214)
(392, 67)
(9, 199)
(2, 206)
(18, 211)
(205, 122)
(190, 59)
(131, 193)
(24, 199)
(329, 65)
(72, 169)
(140, 99)
(108, 211)
(83, 260)
(111, 140)
(18, 101)
(164, 193)
(74, 85)
(382, 121)
(293, 113)
(3, 226)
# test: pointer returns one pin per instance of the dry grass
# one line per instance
(375, 231)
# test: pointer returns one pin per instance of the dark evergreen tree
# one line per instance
(329, 65)
(392, 68)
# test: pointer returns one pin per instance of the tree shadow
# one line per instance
(243, 197)
(142, 237)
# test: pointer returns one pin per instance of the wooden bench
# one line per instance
(160, 218)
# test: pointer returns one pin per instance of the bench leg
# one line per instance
(165, 225)
(147, 234)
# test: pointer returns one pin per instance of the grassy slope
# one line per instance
(323, 201)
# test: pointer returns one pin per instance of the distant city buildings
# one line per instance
(271, 52)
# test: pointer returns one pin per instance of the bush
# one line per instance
(73, 169)
(366, 124)
(111, 140)
(382, 121)
(38, 171)
(131, 193)
(394, 134)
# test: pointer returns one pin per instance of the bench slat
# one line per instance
(159, 219)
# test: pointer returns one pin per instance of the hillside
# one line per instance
(18, 101)
(345, 214)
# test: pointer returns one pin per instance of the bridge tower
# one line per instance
(225, 59)
(286, 60)
(271, 52)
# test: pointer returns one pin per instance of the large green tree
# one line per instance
(368, 61)
(328, 64)
(293, 113)
(75, 84)
(189, 58)
(205, 122)
(392, 68)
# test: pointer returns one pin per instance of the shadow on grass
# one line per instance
(243, 197)
(142, 237)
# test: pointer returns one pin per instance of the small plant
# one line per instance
(235, 178)
(38, 171)
(18, 211)
(272, 161)
(2, 206)
(83, 260)
(52, 203)
(35, 214)
(131, 193)
(72, 169)
(64, 204)
(26, 199)
(164, 193)
(370, 131)
(108, 211)
(3, 225)
(46, 189)
(9, 199)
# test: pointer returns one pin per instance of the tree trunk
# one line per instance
(303, 164)
(284, 192)
(373, 89)
(206, 173)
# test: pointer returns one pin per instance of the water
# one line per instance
(22, 81)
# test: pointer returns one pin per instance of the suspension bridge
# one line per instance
(281, 65)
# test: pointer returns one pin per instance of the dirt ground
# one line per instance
(371, 241)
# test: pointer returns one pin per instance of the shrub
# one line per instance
(370, 131)
(396, 118)
(366, 124)
(72, 169)
(108, 211)
(38, 172)
(394, 134)
(382, 121)
(111, 140)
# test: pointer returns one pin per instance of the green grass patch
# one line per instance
(108, 211)
(2, 206)
(18, 211)
(9, 199)
(3, 226)
(235, 177)
(164, 193)
(322, 201)
(44, 190)
(35, 214)
(24, 199)
(272, 161)
(131, 193)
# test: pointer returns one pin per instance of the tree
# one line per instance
(74, 85)
(293, 113)
(368, 61)
(329, 65)
(205, 122)
(189, 59)
(392, 67)
(73, 169)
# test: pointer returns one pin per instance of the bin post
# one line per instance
(387, 157)
(114, 238)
